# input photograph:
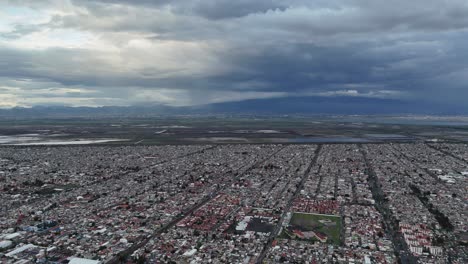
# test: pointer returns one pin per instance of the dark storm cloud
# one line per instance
(417, 14)
(407, 49)
(401, 66)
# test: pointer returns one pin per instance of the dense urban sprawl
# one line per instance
(325, 203)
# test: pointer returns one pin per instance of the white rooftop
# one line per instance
(74, 260)
(19, 250)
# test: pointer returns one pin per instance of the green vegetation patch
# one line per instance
(314, 227)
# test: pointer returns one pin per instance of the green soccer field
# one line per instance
(328, 225)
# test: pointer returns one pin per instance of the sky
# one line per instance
(195, 52)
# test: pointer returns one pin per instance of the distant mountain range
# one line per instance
(272, 106)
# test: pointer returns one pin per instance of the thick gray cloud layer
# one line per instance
(181, 52)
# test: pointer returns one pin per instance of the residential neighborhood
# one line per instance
(238, 203)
